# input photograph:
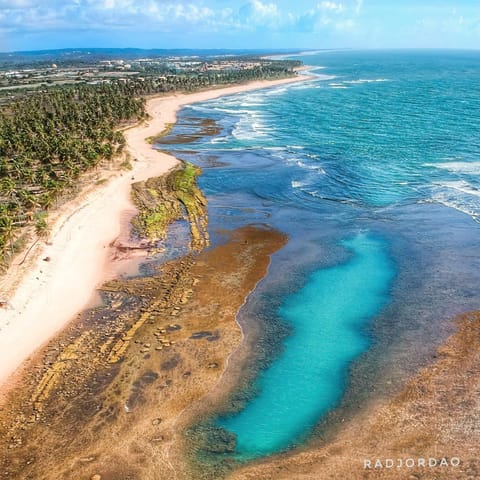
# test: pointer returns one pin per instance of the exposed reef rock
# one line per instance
(175, 196)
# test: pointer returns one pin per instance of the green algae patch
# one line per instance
(184, 180)
(169, 198)
(197, 128)
(166, 131)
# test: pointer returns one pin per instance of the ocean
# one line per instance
(372, 169)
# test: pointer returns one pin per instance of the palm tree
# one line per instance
(7, 234)
(42, 228)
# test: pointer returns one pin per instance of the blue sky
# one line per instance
(42, 24)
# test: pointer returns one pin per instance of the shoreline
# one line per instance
(114, 409)
(144, 402)
(83, 231)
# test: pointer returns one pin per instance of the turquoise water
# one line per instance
(374, 129)
(330, 315)
(384, 143)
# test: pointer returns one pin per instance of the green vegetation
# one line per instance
(48, 140)
(168, 128)
(163, 200)
(183, 181)
(50, 136)
(42, 228)
(157, 208)
(126, 165)
(184, 184)
(160, 75)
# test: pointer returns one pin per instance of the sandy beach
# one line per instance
(60, 277)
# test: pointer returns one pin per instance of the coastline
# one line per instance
(83, 230)
(119, 431)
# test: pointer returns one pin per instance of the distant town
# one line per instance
(21, 78)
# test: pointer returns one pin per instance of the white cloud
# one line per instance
(166, 15)
(256, 13)
(265, 9)
(194, 14)
(14, 4)
(345, 25)
(246, 21)
(331, 6)
(109, 4)
(329, 15)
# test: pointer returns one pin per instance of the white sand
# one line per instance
(44, 296)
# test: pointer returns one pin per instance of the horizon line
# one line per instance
(285, 50)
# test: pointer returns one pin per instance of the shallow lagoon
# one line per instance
(328, 316)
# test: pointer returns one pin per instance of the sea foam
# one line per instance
(472, 168)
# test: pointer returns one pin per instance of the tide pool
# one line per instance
(330, 316)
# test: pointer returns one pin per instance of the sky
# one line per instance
(239, 24)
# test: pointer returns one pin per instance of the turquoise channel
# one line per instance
(330, 317)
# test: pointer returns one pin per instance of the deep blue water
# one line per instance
(373, 170)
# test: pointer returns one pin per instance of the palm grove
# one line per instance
(50, 137)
